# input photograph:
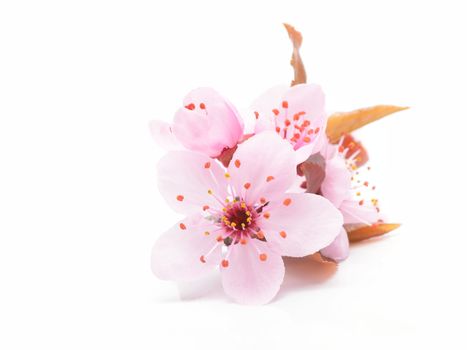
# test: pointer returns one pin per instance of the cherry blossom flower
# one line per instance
(206, 123)
(345, 186)
(296, 113)
(240, 219)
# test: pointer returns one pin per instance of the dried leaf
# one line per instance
(358, 233)
(296, 61)
(346, 122)
(314, 171)
(318, 257)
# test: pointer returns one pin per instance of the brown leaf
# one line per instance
(346, 122)
(358, 233)
(318, 257)
(296, 61)
(314, 171)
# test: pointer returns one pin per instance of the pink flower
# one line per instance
(297, 114)
(346, 187)
(242, 220)
(206, 123)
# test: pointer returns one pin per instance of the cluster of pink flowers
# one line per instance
(249, 199)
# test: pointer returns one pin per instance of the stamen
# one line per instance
(237, 163)
(180, 198)
(269, 178)
(207, 165)
(182, 226)
(283, 234)
(263, 257)
(287, 201)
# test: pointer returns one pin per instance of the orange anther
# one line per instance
(247, 185)
(287, 201)
(283, 234)
(180, 198)
(263, 257)
(275, 111)
(207, 165)
(225, 263)
(285, 104)
(237, 163)
(269, 178)
(182, 226)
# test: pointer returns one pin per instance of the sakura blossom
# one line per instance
(207, 123)
(240, 219)
(345, 184)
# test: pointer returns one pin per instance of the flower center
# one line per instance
(238, 216)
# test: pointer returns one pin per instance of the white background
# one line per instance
(79, 206)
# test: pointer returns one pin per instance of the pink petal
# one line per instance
(248, 279)
(337, 182)
(176, 254)
(267, 163)
(208, 123)
(162, 134)
(301, 224)
(356, 213)
(184, 179)
(263, 106)
(308, 98)
(338, 250)
(304, 152)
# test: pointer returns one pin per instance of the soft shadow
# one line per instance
(305, 273)
(209, 287)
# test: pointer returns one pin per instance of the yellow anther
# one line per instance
(233, 224)
(227, 175)
(206, 233)
(210, 191)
